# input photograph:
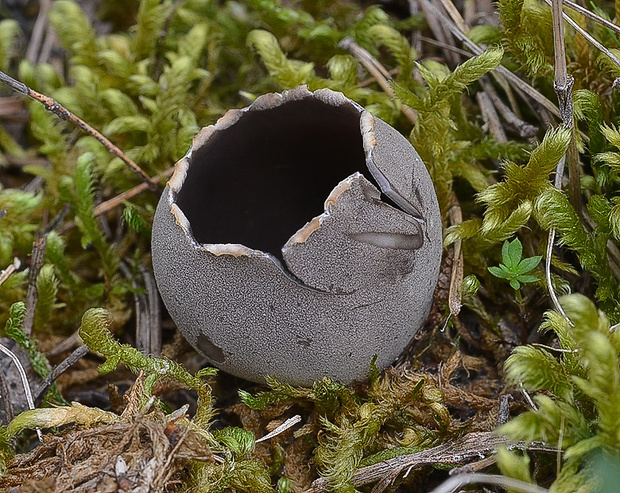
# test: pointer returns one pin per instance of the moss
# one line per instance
(163, 69)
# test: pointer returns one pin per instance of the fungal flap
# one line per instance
(359, 240)
(250, 181)
(392, 162)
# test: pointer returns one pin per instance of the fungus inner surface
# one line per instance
(259, 181)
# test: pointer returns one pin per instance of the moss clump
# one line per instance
(163, 69)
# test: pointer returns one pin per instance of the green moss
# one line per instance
(167, 68)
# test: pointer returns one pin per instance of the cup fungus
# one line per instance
(298, 238)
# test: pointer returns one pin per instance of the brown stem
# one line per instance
(36, 262)
(477, 50)
(62, 367)
(6, 273)
(64, 114)
(563, 86)
(114, 202)
(456, 276)
(36, 40)
(472, 446)
(523, 128)
(378, 71)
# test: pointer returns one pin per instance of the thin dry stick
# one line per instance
(563, 87)
(64, 114)
(48, 46)
(36, 262)
(477, 50)
(612, 249)
(32, 53)
(62, 367)
(114, 202)
(22, 374)
(415, 36)
(474, 467)
(491, 117)
(588, 37)
(457, 482)
(4, 275)
(65, 345)
(509, 90)
(154, 310)
(513, 121)
(378, 71)
(438, 30)
(590, 15)
(472, 446)
(455, 15)
(445, 46)
(456, 276)
(527, 397)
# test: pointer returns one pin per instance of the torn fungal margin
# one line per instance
(180, 173)
(369, 139)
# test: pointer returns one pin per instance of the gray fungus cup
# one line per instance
(298, 238)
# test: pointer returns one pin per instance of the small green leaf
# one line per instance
(514, 284)
(513, 253)
(497, 272)
(505, 250)
(525, 278)
(527, 264)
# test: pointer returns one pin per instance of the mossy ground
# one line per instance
(482, 113)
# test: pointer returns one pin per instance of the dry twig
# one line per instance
(64, 114)
(456, 276)
(378, 71)
(62, 367)
(114, 202)
(563, 87)
(36, 39)
(523, 128)
(583, 32)
(457, 482)
(477, 50)
(471, 446)
(6, 273)
(439, 30)
(36, 262)
(491, 117)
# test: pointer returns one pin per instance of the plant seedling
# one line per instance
(514, 269)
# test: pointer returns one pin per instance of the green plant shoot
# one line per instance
(515, 269)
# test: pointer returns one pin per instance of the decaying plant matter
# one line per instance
(471, 85)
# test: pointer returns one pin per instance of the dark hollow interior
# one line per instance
(256, 183)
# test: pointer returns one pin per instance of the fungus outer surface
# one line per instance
(298, 238)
